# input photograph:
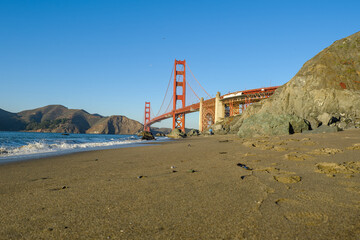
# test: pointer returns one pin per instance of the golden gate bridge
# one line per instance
(212, 110)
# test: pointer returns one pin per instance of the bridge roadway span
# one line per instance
(235, 100)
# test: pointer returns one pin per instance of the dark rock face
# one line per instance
(10, 121)
(145, 135)
(176, 134)
(324, 129)
(116, 125)
(325, 91)
(270, 124)
(193, 132)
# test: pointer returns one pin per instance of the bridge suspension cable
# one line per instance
(198, 81)
(172, 72)
(192, 90)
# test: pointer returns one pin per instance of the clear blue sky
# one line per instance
(109, 57)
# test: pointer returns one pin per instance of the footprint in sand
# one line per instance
(249, 154)
(315, 196)
(356, 146)
(326, 151)
(334, 168)
(295, 156)
(309, 143)
(279, 149)
(280, 143)
(249, 144)
(353, 189)
(286, 202)
(287, 179)
(307, 218)
(274, 170)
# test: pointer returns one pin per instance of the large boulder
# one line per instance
(271, 124)
(324, 129)
(176, 134)
(324, 91)
(193, 132)
(145, 135)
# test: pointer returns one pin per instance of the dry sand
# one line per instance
(300, 187)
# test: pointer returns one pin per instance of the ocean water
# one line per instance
(17, 146)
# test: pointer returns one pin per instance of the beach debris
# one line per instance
(172, 167)
(174, 171)
(192, 171)
(140, 176)
(64, 187)
(244, 166)
(222, 152)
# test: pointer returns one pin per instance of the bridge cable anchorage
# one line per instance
(198, 81)
(172, 71)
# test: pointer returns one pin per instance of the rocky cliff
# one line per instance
(326, 91)
(115, 125)
(57, 118)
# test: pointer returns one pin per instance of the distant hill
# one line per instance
(10, 121)
(57, 118)
(116, 125)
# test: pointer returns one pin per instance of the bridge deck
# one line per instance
(241, 97)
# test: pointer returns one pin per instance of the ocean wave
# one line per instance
(43, 147)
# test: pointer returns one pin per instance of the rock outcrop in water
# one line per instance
(326, 91)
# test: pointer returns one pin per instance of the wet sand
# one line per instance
(303, 186)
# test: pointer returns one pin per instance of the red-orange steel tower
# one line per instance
(147, 117)
(179, 94)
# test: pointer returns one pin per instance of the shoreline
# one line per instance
(192, 188)
(53, 146)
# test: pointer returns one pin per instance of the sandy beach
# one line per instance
(302, 186)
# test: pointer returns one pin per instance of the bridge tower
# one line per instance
(179, 94)
(147, 117)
